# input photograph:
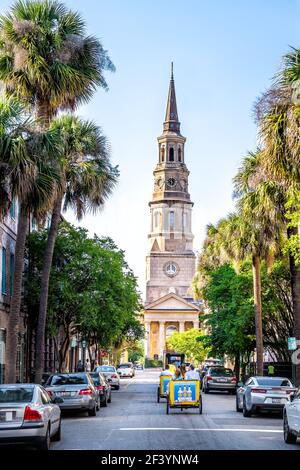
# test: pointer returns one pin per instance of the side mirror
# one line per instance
(57, 400)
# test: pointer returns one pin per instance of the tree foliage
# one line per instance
(190, 343)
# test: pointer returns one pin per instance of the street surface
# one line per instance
(134, 420)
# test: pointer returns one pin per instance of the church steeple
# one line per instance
(171, 123)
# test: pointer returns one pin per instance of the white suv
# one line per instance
(291, 419)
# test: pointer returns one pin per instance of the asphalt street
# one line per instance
(134, 420)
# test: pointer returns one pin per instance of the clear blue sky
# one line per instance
(225, 53)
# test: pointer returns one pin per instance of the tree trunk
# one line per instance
(258, 314)
(295, 289)
(237, 366)
(47, 263)
(15, 302)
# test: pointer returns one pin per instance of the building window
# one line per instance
(170, 330)
(3, 286)
(171, 154)
(11, 272)
(171, 220)
(12, 208)
(179, 154)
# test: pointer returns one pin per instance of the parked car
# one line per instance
(263, 393)
(126, 370)
(77, 390)
(103, 387)
(111, 374)
(28, 415)
(219, 378)
(138, 366)
(291, 418)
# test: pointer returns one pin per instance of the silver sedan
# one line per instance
(77, 391)
(28, 416)
(263, 393)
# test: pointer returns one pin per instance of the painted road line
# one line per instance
(204, 429)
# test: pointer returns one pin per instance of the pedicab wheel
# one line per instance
(158, 394)
(200, 406)
(167, 409)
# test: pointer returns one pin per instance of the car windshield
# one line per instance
(68, 380)
(280, 382)
(16, 394)
(220, 372)
(106, 369)
(123, 366)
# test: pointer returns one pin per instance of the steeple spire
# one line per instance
(171, 123)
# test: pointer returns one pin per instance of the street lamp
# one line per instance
(83, 343)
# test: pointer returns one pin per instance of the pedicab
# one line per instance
(184, 394)
(162, 389)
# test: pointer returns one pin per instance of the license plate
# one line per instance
(276, 401)
(222, 380)
(65, 394)
(6, 416)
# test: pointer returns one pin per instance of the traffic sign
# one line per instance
(292, 344)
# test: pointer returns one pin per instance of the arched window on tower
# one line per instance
(162, 153)
(171, 154)
(179, 154)
(171, 220)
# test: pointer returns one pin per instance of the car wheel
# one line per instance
(92, 412)
(45, 444)
(289, 437)
(57, 435)
(246, 413)
(237, 406)
(98, 404)
(117, 387)
(109, 400)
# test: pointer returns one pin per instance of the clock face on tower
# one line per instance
(171, 182)
(171, 269)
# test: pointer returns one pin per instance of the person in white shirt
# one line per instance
(192, 374)
(166, 371)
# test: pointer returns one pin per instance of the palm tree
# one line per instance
(278, 119)
(88, 179)
(46, 59)
(24, 175)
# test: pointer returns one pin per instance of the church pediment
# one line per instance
(172, 302)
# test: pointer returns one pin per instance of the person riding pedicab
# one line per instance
(166, 371)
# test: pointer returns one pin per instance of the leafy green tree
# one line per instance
(190, 343)
(92, 291)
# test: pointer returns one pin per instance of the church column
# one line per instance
(196, 324)
(162, 339)
(181, 327)
(147, 339)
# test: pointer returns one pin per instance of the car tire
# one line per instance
(237, 407)
(57, 436)
(45, 444)
(109, 400)
(98, 404)
(246, 413)
(117, 387)
(289, 437)
(92, 412)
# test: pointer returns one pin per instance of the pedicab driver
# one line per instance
(192, 374)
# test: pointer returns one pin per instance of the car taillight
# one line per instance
(99, 387)
(114, 376)
(32, 415)
(86, 391)
(233, 380)
(258, 390)
(209, 378)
